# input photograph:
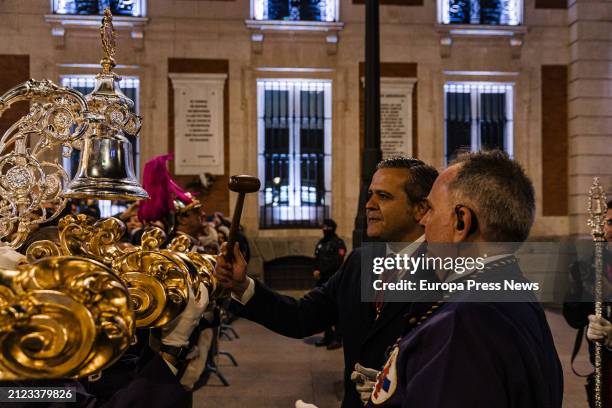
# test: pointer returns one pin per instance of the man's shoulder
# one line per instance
(351, 268)
(494, 317)
(492, 308)
(477, 313)
(354, 258)
(338, 240)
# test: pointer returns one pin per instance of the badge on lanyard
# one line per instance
(386, 383)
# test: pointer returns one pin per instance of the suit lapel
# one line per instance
(391, 310)
(388, 314)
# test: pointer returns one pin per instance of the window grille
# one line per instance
(478, 115)
(294, 127)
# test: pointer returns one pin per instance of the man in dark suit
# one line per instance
(394, 209)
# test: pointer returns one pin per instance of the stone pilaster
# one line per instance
(590, 103)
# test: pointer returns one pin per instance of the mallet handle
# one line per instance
(234, 228)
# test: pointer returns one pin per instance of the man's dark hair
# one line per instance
(422, 176)
(500, 192)
(609, 204)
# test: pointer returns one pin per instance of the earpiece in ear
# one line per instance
(460, 225)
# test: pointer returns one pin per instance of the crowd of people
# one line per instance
(209, 231)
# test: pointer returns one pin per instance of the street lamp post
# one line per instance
(371, 150)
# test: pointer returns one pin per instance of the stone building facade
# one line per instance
(558, 61)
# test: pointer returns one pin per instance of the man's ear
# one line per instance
(463, 224)
(420, 209)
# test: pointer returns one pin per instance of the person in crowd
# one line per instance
(132, 225)
(92, 211)
(208, 237)
(212, 248)
(329, 255)
(579, 309)
(168, 203)
(189, 220)
(394, 209)
(222, 233)
(217, 219)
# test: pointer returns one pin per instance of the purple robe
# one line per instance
(472, 355)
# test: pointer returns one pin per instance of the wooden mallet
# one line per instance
(242, 185)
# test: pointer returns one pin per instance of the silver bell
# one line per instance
(106, 171)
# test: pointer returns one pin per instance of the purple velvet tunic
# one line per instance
(472, 355)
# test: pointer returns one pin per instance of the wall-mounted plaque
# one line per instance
(198, 123)
(396, 116)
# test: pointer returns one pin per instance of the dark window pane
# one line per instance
(313, 181)
(312, 123)
(490, 11)
(122, 7)
(277, 177)
(278, 9)
(458, 123)
(276, 122)
(459, 11)
(492, 120)
(277, 145)
(86, 6)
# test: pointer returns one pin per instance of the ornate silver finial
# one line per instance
(596, 207)
(108, 35)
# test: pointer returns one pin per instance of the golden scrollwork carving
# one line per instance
(157, 285)
(158, 280)
(204, 264)
(42, 249)
(62, 316)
